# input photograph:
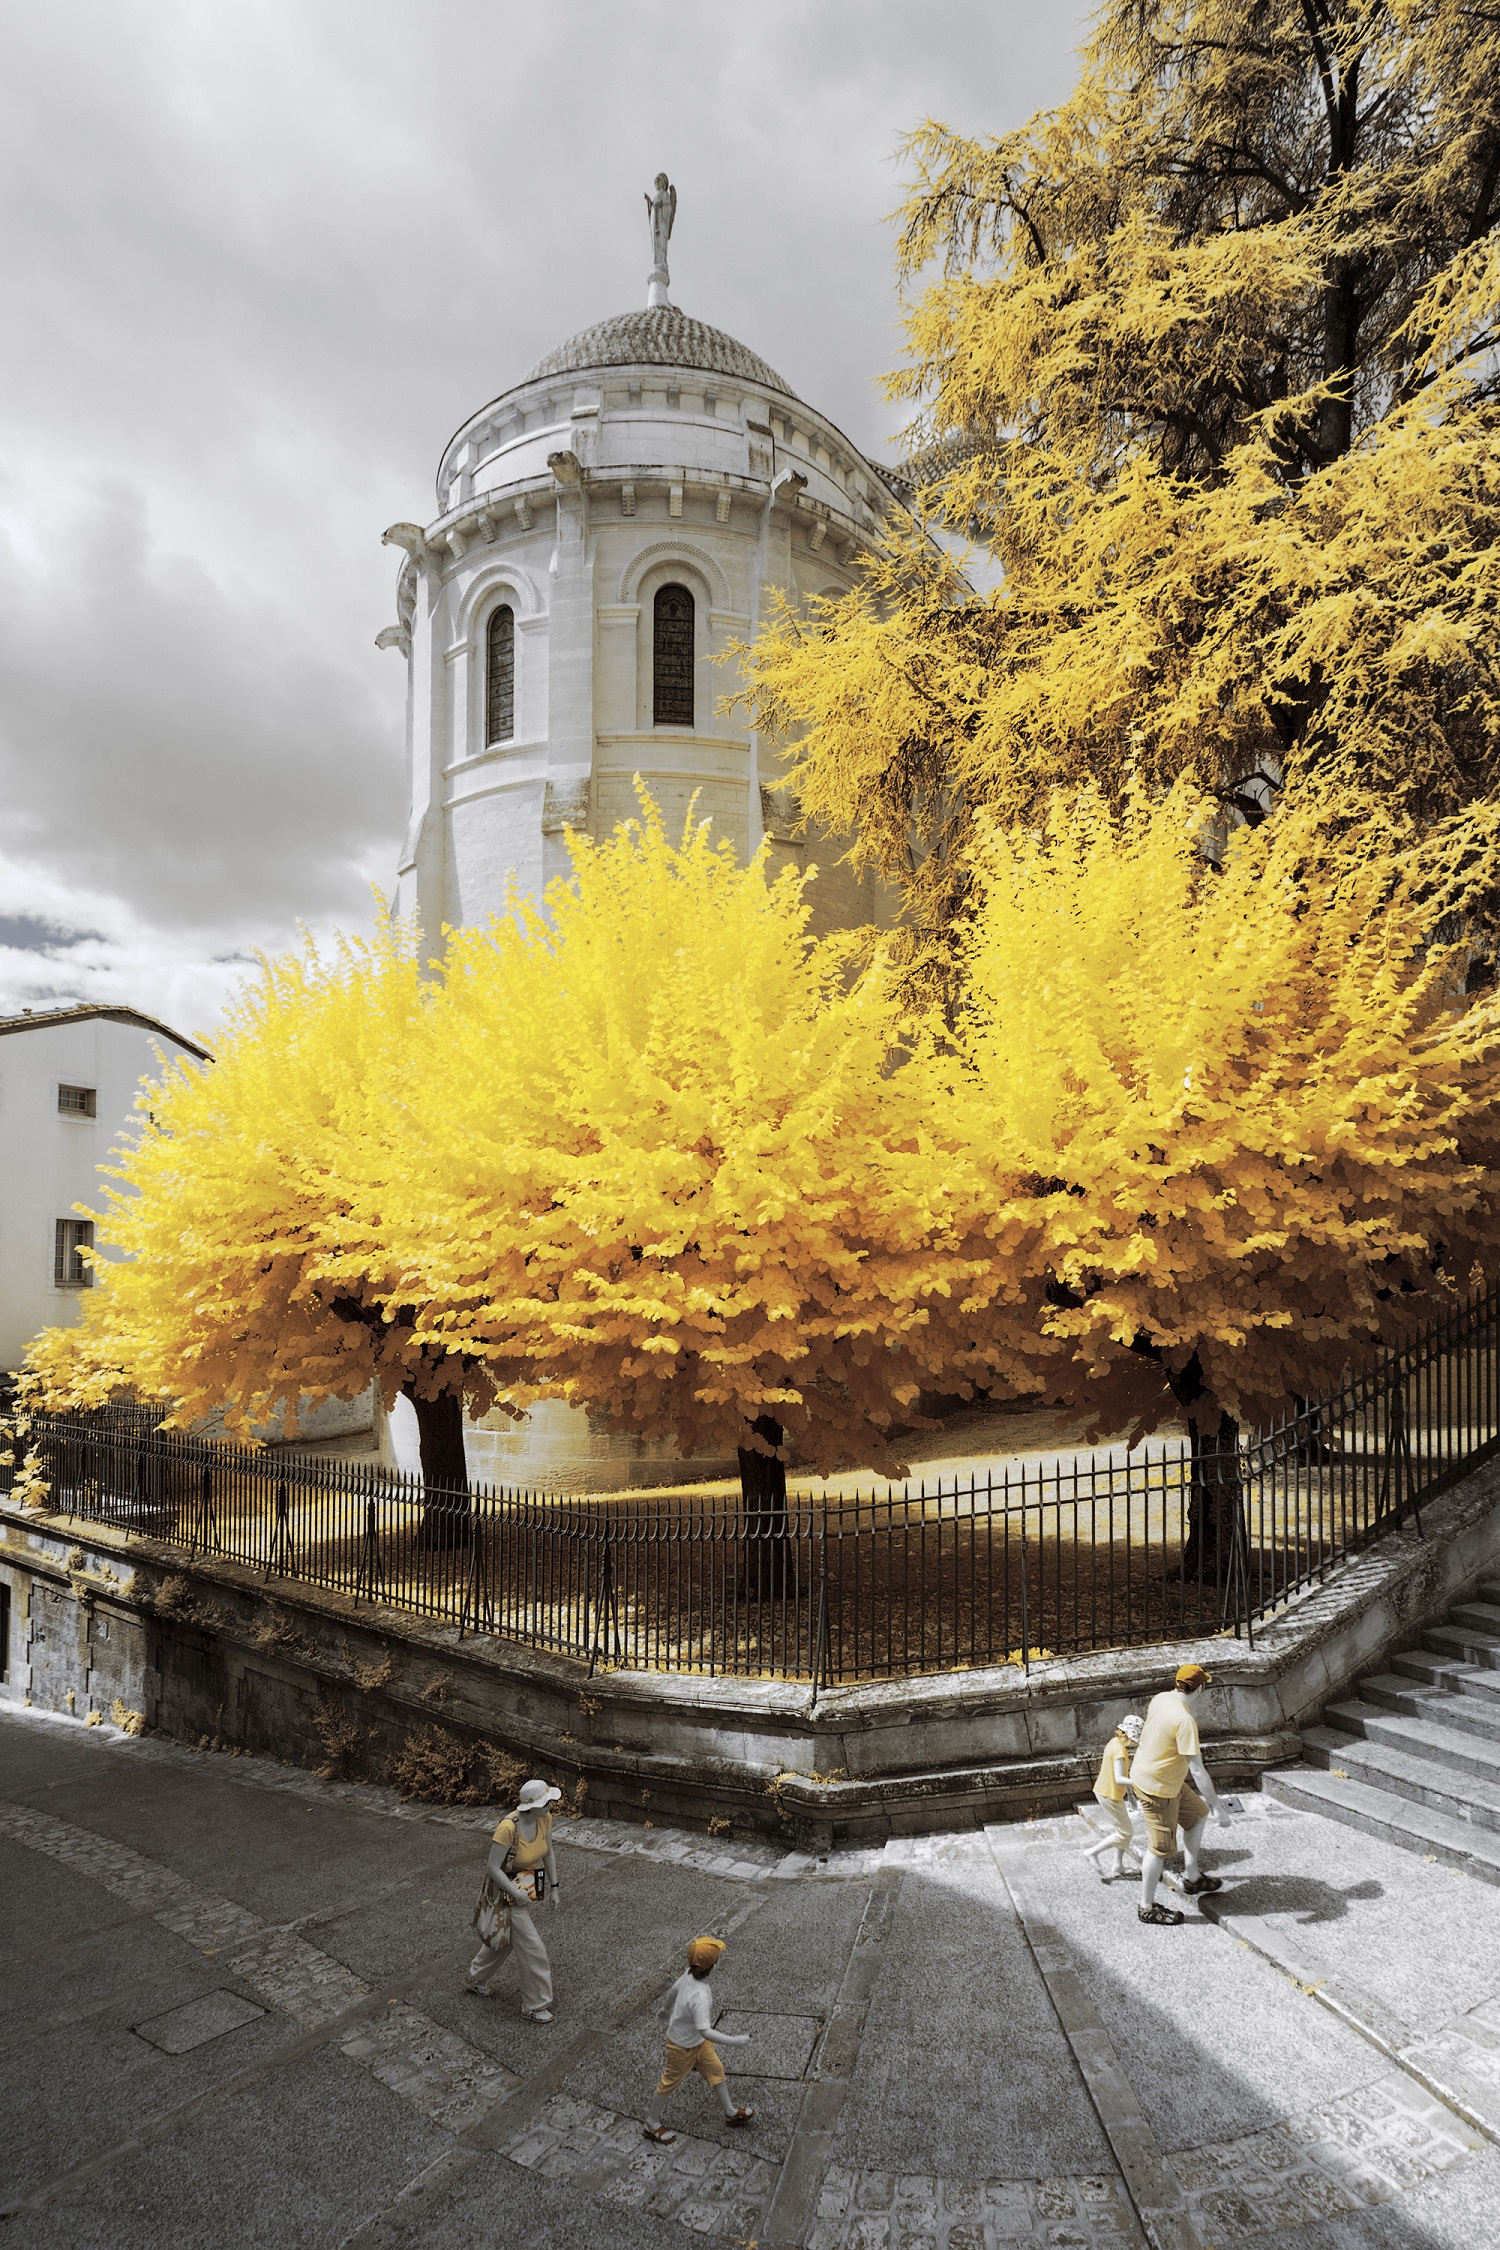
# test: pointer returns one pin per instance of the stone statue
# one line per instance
(661, 208)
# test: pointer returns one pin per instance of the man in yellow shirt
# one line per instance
(1168, 1751)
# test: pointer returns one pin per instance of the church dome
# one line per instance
(659, 337)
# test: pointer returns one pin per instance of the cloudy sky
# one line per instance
(257, 259)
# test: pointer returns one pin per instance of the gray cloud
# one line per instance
(257, 264)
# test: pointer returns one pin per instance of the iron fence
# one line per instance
(1052, 1554)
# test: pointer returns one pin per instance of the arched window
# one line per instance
(672, 658)
(500, 675)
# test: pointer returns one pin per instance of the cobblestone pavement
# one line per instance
(232, 2013)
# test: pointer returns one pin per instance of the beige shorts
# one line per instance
(704, 2058)
(1165, 1815)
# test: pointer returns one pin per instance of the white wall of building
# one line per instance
(49, 1160)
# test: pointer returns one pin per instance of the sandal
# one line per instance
(1195, 1885)
(659, 2134)
(1166, 1917)
(539, 2015)
(741, 2117)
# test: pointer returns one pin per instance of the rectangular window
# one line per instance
(76, 1101)
(68, 1269)
(4, 1632)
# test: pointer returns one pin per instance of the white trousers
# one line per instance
(1112, 1814)
(530, 1958)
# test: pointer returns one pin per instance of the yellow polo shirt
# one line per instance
(1168, 1740)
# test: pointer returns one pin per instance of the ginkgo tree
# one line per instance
(674, 1178)
(1223, 1115)
(639, 1148)
(248, 1242)
(1204, 362)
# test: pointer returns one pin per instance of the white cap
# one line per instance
(1132, 1726)
(534, 1793)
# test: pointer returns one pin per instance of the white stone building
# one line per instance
(604, 529)
(68, 1081)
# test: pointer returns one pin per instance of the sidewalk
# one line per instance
(232, 2013)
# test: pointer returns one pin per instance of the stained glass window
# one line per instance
(500, 675)
(672, 658)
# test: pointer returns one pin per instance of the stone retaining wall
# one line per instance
(203, 1648)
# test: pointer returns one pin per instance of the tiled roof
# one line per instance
(39, 1019)
(661, 337)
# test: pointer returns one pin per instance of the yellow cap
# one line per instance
(704, 1951)
(1193, 1675)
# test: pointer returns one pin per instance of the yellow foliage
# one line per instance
(1205, 360)
(1221, 1127)
(641, 1150)
(247, 1237)
(692, 1192)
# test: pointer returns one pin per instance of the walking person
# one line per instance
(1168, 1752)
(689, 2008)
(1116, 1841)
(520, 1873)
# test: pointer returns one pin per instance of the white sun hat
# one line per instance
(1132, 1726)
(536, 1793)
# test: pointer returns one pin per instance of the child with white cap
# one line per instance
(1110, 1785)
(689, 2047)
(521, 1872)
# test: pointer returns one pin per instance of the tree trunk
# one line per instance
(1215, 1500)
(446, 1515)
(768, 1545)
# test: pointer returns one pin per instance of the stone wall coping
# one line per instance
(1285, 1646)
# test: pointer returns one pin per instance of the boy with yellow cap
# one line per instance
(1168, 1751)
(689, 2047)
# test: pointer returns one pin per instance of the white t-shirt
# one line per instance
(690, 2019)
(1168, 1740)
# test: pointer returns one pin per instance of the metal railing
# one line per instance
(1053, 1554)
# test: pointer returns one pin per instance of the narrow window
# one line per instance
(4, 1632)
(76, 1101)
(68, 1268)
(500, 675)
(672, 658)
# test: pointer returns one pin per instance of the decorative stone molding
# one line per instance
(674, 499)
(492, 578)
(394, 636)
(721, 507)
(676, 551)
(523, 513)
(566, 468)
(627, 499)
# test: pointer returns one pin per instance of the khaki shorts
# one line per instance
(1165, 1815)
(704, 2058)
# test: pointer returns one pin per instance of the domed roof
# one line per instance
(659, 337)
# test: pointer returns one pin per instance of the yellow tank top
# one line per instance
(530, 1855)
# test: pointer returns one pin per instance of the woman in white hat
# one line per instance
(521, 1872)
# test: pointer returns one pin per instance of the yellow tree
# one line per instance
(248, 1232)
(672, 1177)
(1206, 359)
(1222, 1122)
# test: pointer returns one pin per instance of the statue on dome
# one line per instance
(661, 210)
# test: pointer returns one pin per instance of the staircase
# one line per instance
(1414, 1756)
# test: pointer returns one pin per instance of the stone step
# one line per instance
(1410, 1774)
(1483, 1617)
(1445, 1672)
(1412, 1827)
(1487, 1591)
(1464, 1644)
(1450, 1747)
(1470, 1714)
